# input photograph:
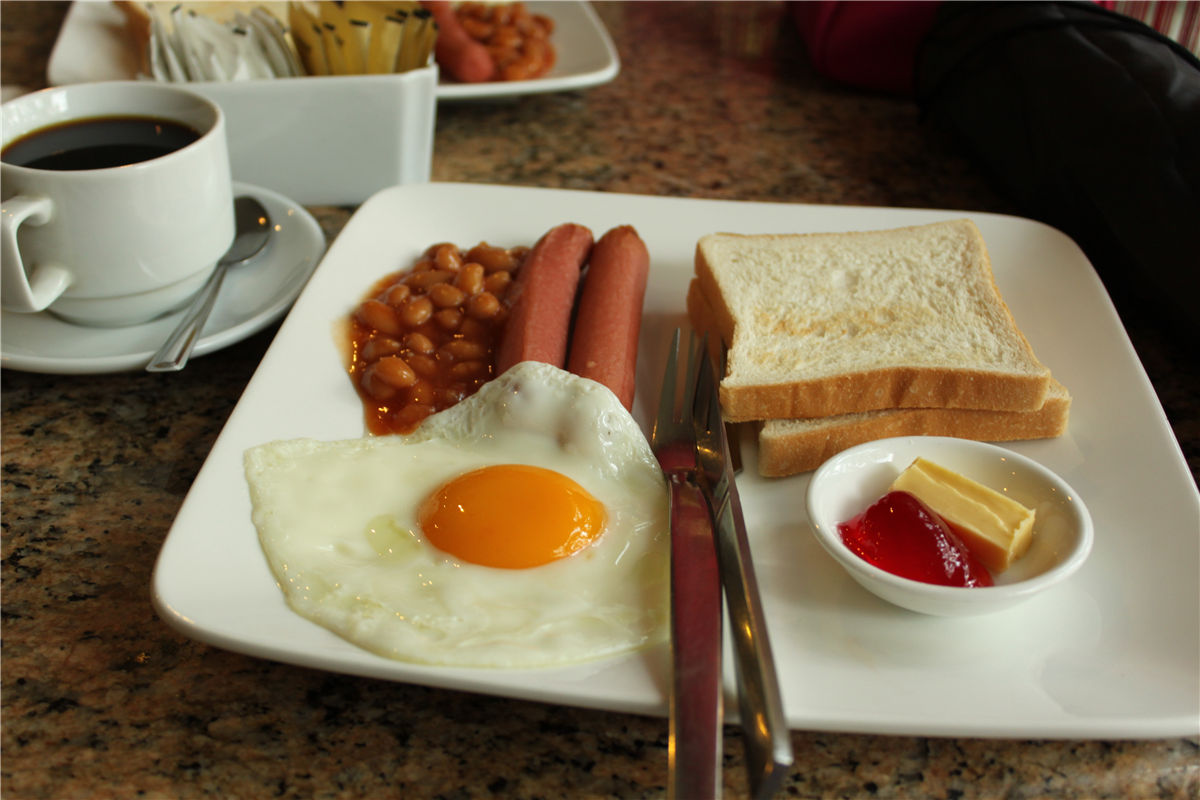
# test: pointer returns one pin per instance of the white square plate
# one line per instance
(1114, 652)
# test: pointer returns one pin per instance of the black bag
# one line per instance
(1089, 121)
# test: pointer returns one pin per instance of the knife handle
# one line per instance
(694, 757)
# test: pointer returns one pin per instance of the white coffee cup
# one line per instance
(113, 245)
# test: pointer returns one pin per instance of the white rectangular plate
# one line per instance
(1112, 653)
(93, 46)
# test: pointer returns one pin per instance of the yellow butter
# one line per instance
(995, 528)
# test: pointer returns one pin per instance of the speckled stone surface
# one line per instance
(102, 700)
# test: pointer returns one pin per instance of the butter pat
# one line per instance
(995, 528)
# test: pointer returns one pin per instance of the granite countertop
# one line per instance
(101, 699)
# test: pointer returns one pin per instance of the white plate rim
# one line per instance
(1048, 692)
(298, 231)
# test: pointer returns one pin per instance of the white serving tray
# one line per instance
(1112, 653)
(335, 140)
(321, 141)
(92, 46)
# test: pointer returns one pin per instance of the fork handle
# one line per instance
(768, 741)
(694, 755)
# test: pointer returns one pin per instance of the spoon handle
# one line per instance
(174, 353)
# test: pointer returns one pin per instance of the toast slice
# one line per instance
(826, 324)
(792, 446)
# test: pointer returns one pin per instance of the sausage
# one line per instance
(462, 56)
(543, 295)
(604, 338)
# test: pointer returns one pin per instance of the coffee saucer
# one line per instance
(253, 296)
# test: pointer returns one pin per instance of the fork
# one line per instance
(768, 741)
(694, 751)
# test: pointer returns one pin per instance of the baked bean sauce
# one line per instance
(424, 338)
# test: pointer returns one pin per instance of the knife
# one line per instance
(694, 755)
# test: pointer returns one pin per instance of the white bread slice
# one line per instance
(788, 447)
(833, 323)
(791, 446)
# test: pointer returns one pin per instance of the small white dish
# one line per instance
(253, 296)
(333, 140)
(850, 481)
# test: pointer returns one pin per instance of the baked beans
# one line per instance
(424, 338)
(518, 41)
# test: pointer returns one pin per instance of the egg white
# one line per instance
(337, 522)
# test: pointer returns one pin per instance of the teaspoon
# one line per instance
(253, 230)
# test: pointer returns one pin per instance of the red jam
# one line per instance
(900, 534)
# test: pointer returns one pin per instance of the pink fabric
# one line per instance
(867, 43)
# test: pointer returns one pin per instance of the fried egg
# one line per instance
(526, 526)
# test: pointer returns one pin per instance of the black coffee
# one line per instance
(98, 143)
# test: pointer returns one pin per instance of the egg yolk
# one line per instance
(511, 516)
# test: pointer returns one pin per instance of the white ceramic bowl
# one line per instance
(855, 478)
(329, 140)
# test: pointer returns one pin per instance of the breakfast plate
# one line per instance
(1113, 652)
(253, 296)
(92, 46)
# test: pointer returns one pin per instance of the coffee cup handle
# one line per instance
(20, 290)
